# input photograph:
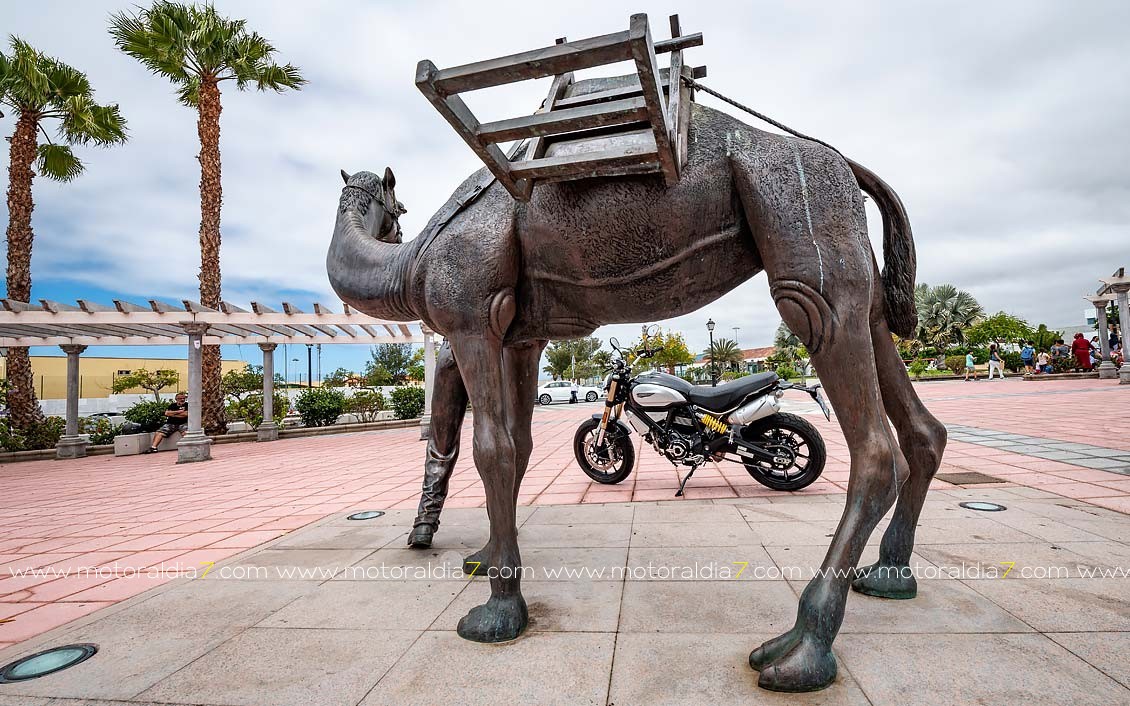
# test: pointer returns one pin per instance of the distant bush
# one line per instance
(734, 374)
(366, 404)
(786, 372)
(150, 415)
(1012, 361)
(320, 406)
(408, 402)
(39, 435)
(917, 368)
(250, 409)
(956, 364)
(101, 429)
(1066, 364)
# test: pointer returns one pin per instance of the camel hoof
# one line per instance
(808, 667)
(896, 582)
(421, 536)
(478, 563)
(772, 650)
(500, 619)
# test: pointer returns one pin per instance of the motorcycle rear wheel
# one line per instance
(612, 464)
(805, 443)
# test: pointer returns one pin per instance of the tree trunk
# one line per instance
(211, 198)
(22, 402)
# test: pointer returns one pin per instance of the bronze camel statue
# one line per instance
(501, 278)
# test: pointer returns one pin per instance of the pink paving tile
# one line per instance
(122, 588)
(44, 618)
(198, 540)
(137, 544)
(7, 610)
(246, 540)
(146, 559)
(1120, 503)
(67, 585)
(1081, 490)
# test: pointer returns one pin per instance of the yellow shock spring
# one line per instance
(712, 423)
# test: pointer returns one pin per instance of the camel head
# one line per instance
(373, 199)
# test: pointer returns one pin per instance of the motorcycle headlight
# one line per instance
(607, 381)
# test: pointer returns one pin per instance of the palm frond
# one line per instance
(58, 162)
(84, 121)
(189, 92)
(26, 84)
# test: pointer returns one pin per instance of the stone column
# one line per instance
(194, 445)
(1107, 370)
(268, 430)
(1123, 292)
(429, 381)
(71, 445)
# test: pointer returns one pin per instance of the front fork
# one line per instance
(608, 405)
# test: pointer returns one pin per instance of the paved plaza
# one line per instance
(303, 606)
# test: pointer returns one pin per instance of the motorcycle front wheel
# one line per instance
(802, 446)
(610, 463)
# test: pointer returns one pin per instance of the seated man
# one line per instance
(176, 418)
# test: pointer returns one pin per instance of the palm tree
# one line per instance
(725, 352)
(197, 49)
(944, 313)
(38, 88)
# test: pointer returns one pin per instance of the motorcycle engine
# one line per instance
(681, 448)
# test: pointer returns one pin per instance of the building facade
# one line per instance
(97, 375)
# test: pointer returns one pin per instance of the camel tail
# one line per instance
(899, 262)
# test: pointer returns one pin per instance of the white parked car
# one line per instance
(560, 390)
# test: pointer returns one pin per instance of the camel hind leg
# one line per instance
(809, 228)
(922, 439)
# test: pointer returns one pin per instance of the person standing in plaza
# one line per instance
(995, 362)
(1043, 363)
(969, 369)
(1028, 357)
(1081, 349)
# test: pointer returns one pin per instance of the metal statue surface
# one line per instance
(501, 278)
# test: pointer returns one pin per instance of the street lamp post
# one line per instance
(713, 373)
(294, 360)
(309, 365)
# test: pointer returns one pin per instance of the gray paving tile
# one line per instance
(289, 564)
(940, 607)
(692, 534)
(146, 642)
(710, 514)
(1011, 561)
(575, 535)
(800, 563)
(733, 607)
(356, 535)
(537, 668)
(12, 700)
(287, 668)
(1063, 605)
(942, 670)
(1106, 651)
(748, 562)
(1045, 528)
(965, 530)
(368, 605)
(576, 514)
(648, 670)
(554, 606)
(824, 512)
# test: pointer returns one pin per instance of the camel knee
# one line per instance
(924, 442)
(878, 472)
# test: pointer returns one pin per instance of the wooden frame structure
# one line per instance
(639, 128)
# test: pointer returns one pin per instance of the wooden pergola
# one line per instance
(75, 327)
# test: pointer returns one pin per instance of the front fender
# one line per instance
(619, 423)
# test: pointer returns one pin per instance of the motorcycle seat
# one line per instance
(723, 398)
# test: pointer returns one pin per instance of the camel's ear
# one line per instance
(345, 176)
(390, 178)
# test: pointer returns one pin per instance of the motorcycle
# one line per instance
(739, 421)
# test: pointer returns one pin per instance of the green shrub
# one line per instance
(150, 415)
(1066, 364)
(955, 364)
(917, 368)
(786, 372)
(366, 404)
(250, 409)
(101, 429)
(1012, 361)
(40, 435)
(408, 402)
(733, 375)
(320, 406)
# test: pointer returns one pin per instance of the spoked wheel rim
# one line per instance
(608, 463)
(793, 455)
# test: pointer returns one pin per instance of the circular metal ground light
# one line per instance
(982, 506)
(46, 662)
(366, 515)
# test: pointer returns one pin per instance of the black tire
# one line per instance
(545, 400)
(804, 440)
(591, 397)
(623, 454)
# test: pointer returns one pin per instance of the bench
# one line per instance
(133, 444)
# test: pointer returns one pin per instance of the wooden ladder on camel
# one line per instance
(638, 127)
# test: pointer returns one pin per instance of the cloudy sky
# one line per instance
(1002, 126)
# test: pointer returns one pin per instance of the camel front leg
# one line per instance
(449, 407)
(492, 378)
